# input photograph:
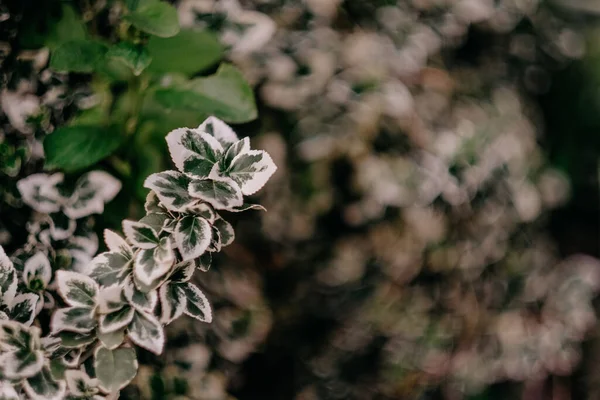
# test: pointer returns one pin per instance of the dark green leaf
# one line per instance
(188, 52)
(75, 147)
(134, 56)
(159, 19)
(225, 95)
(77, 56)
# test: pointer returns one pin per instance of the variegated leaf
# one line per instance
(183, 271)
(138, 299)
(37, 272)
(203, 262)
(24, 308)
(221, 193)
(7, 391)
(250, 170)
(72, 357)
(22, 363)
(117, 244)
(114, 368)
(202, 210)
(192, 236)
(74, 340)
(197, 304)
(110, 268)
(8, 278)
(15, 336)
(146, 331)
(92, 191)
(73, 319)
(220, 130)
(193, 152)
(172, 302)
(116, 320)
(152, 203)
(226, 231)
(77, 289)
(155, 220)
(80, 384)
(140, 235)
(152, 264)
(61, 226)
(39, 192)
(235, 149)
(171, 187)
(110, 298)
(246, 207)
(112, 340)
(215, 243)
(42, 386)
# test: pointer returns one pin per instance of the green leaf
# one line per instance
(77, 56)
(134, 56)
(112, 340)
(115, 368)
(72, 340)
(225, 95)
(189, 52)
(159, 19)
(43, 30)
(43, 386)
(72, 148)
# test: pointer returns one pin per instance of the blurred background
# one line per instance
(434, 224)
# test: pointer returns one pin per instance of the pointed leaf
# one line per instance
(140, 235)
(77, 289)
(221, 193)
(226, 231)
(197, 304)
(115, 368)
(145, 331)
(117, 244)
(134, 56)
(172, 301)
(112, 340)
(147, 267)
(156, 18)
(171, 187)
(192, 235)
(250, 170)
(110, 268)
(221, 131)
(185, 143)
(73, 319)
(24, 308)
(138, 299)
(116, 320)
(234, 149)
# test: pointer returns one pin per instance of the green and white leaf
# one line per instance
(192, 236)
(61, 226)
(146, 331)
(152, 204)
(110, 299)
(140, 235)
(115, 368)
(172, 301)
(183, 271)
(204, 261)
(112, 340)
(37, 268)
(22, 363)
(73, 340)
(92, 191)
(73, 319)
(234, 149)
(202, 210)
(197, 305)
(16, 336)
(155, 220)
(246, 207)
(220, 130)
(7, 391)
(226, 231)
(24, 308)
(110, 268)
(116, 320)
(193, 152)
(39, 192)
(8, 278)
(43, 387)
(152, 264)
(138, 299)
(156, 18)
(117, 244)
(77, 289)
(250, 170)
(215, 243)
(171, 187)
(80, 384)
(221, 193)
